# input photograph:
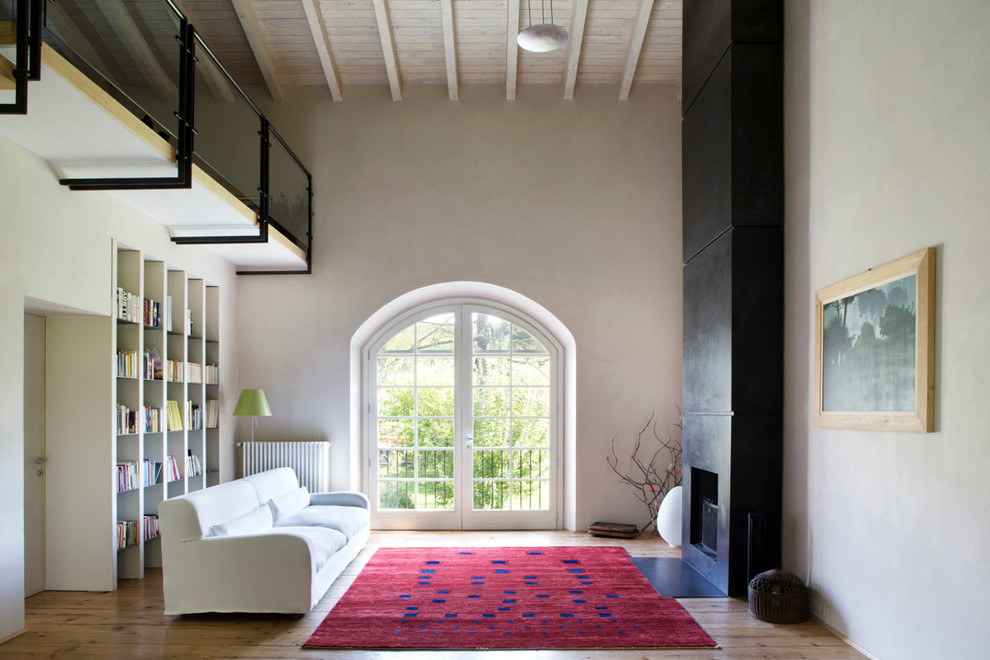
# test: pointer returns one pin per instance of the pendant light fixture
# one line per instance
(544, 37)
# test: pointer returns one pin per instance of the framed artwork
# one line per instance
(875, 348)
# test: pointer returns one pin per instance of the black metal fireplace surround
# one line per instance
(732, 158)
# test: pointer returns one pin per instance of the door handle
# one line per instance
(41, 461)
(469, 441)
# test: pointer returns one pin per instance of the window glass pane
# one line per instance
(395, 494)
(436, 433)
(395, 371)
(527, 370)
(492, 370)
(491, 433)
(490, 333)
(531, 464)
(403, 341)
(434, 495)
(531, 433)
(531, 401)
(491, 402)
(491, 495)
(523, 342)
(396, 401)
(395, 433)
(435, 465)
(531, 495)
(492, 464)
(397, 464)
(436, 401)
(436, 334)
(433, 370)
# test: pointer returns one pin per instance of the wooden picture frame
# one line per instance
(875, 348)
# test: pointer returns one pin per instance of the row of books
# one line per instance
(212, 413)
(211, 373)
(128, 306)
(127, 477)
(174, 415)
(194, 416)
(129, 365)
(171, 468)
(151, 528)
(126, 533)
(193, 466)
(127, 420)
(177, 371)
(152, 313)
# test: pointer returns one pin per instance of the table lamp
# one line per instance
(253, 404)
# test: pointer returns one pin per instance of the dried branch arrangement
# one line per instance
(653, 479)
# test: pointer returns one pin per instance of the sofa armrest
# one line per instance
(268, 572)
(339, 498)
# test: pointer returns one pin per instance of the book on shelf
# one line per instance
(211, 374)
(127, 477)
(127, 364)
(189, 322)
(194, 416)
(212, 413)
(175, 371)
(152, 313)
(151, 528)
(128, 306)
(151, 472)
(168, 313)
(171, 469)
(126, 533)
(152, 365)
(194, 372)
(152, 419)
(126, 420)
(174, 415)
(193, 466)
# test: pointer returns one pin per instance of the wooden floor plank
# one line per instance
(129, 622)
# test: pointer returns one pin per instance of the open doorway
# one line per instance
(34, 454)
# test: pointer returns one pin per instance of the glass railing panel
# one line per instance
(227, 144)
(288, 199)
(130, 49)
(12, 56)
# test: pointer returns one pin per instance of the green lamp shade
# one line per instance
(252, 403)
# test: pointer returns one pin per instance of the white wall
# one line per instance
(887, 151)
(575, 205)
(56, 249)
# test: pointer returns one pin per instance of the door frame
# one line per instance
(456, 519)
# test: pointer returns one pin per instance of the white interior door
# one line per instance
(34, 453)
(463, 422)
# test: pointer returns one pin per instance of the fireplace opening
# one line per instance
(704, 511)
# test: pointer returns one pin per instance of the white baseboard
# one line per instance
(13, 635)
(844, 638)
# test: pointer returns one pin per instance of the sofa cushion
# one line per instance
(272, 483)
(346, 519)
(252, 522)
(287, 505)
(323, 543)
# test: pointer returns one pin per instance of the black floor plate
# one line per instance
(675, 578)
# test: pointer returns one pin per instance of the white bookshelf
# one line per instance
(195, 345)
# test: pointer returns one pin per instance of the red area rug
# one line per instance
(506, 598)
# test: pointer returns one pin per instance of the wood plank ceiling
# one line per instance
(335, 43)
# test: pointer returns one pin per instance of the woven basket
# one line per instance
(778, 597)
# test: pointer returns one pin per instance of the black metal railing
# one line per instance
(150, 58)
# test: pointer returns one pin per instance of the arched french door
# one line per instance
(463, 421)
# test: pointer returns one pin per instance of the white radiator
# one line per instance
(310, 460)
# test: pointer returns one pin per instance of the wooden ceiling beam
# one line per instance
(449, 46)
(635, 47)
(511, 49)
(139, 48)
(317, 26)
(388, 49)
(578, 17)
(252, 30)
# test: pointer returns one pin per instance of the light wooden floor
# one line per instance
(129, 623)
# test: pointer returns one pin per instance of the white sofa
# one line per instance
(258, 544)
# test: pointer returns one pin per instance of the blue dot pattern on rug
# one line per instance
(567, 565)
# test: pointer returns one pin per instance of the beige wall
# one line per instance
(56, 252)
(887, 149)
(575, 205)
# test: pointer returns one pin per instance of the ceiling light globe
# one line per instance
(542, 38)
